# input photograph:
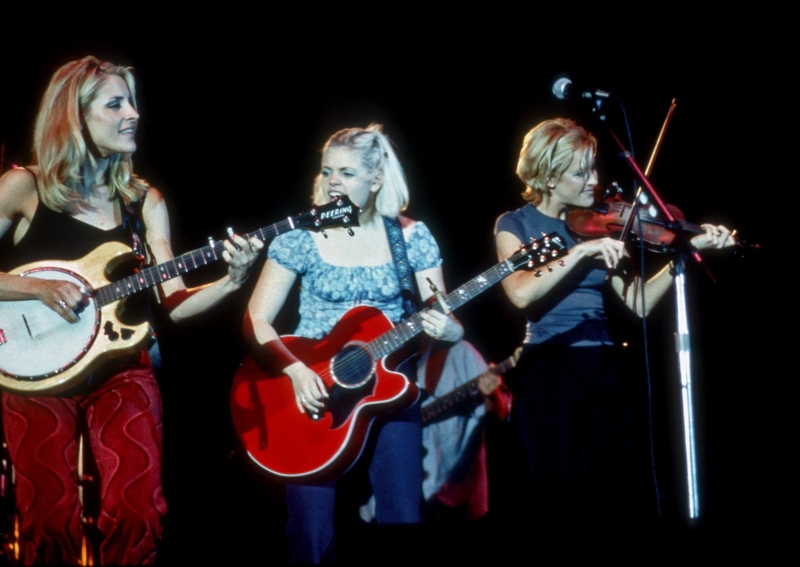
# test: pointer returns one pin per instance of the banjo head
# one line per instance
(35, 342)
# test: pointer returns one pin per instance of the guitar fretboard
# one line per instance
(464, 392)
(540, 252)
(411, 327)
(154, 275)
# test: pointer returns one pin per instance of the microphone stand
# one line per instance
(683, 337)
(684, 349)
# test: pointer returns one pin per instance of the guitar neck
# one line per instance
(539, 252)
(392, 340)
(154, 275)
(466, 391)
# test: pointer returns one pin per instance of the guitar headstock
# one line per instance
(340, 212)
(539, 252)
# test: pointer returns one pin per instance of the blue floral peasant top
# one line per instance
(328, 291)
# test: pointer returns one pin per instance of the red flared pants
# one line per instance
(122, 418)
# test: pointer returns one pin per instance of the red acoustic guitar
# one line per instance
(351, 360)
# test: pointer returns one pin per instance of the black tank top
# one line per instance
(58, 236)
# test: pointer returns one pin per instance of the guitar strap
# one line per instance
(397, 244)
(133, 220)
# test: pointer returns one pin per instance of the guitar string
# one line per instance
(406, 330)
(396, 337)
(154, 275)
(463, 392)
(148, 277)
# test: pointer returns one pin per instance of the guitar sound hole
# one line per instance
(353, 366)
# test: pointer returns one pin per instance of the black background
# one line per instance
(234, 110)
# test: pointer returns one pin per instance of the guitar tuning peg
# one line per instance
(538, 273)
(549, 268)
(562, 263)
(350, 231)
(211, 241)
(325, 234)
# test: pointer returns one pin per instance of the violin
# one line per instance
(609, 216)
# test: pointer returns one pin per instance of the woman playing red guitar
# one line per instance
(337, 273)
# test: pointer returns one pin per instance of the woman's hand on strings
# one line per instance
(309, 389)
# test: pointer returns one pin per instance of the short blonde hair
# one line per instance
(547, 152)
(377, 156)
(59, 146)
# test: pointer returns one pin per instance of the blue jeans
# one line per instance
(394, 473)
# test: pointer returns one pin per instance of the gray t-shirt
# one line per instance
(573, 313)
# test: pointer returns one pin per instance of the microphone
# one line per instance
(564, 88)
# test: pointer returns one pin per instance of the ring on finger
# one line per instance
(302, 399)
(62, 304)
(718, 233)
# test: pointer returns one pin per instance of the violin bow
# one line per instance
(636, 201)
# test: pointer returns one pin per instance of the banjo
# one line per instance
(43, 354)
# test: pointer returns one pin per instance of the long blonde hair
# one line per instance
(547, 152)
(59, 146)
(377, 156)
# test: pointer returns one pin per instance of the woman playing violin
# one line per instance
(571, 409)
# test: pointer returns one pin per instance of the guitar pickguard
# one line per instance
(343, 401)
